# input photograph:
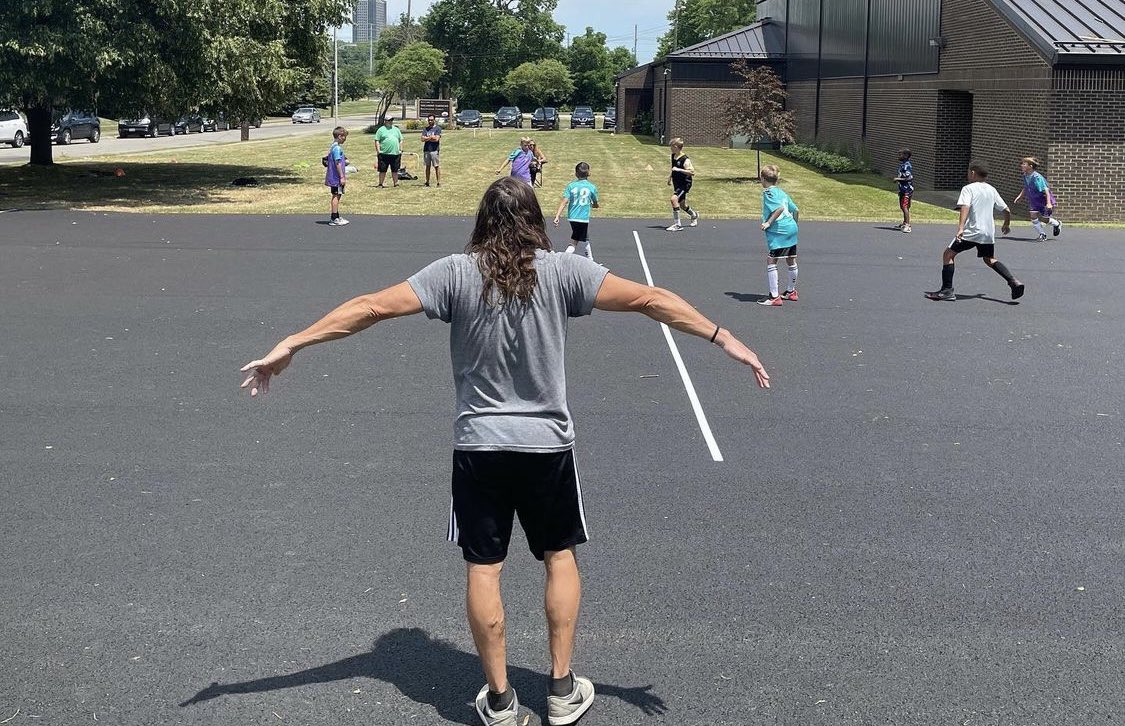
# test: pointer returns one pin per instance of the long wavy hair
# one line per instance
(508, 231)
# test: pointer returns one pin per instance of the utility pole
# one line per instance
(634, 43)
(676, 28)
(370, 49)
(335, 79)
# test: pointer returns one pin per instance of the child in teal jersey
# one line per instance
(779, 222)
(579, 197)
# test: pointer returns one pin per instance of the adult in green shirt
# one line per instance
(388, 145)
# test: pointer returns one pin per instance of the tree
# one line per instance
(354, 83)
(547, 81)
(164, 58)
(410, 73)
(593, 67)
(483, 40)
(694, 21)
(758, 109)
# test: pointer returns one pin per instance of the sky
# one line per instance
(615, 18)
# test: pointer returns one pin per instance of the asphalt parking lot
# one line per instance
(919, 523)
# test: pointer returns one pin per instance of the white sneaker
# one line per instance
(564, 710)
(675, 228)
(338, 222)
(906, 228)
(694, 219)
(508, 717)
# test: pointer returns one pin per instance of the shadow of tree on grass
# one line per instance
(87, 184)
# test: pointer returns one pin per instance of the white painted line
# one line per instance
(700, 417)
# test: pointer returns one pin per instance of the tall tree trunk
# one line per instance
(39, 128)
(245, 131)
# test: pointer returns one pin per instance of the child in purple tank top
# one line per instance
(1040, 200)
(520, 159)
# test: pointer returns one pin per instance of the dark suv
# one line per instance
(469, 117)
(546, 118)
(76, 125)
(609, 120)
(508, 116)
(582, 118)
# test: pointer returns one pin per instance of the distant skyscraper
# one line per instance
(369, 19)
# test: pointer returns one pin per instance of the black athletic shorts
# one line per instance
(963, 245)
(337, 191)
(389, 161)
(579, 231)
(681, 194)
(790, 251)
(491, 487)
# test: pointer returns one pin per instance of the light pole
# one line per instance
(335, 79)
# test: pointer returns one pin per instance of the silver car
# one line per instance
(306, 115)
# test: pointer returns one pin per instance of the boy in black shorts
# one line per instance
(977, 229)
(683, 173)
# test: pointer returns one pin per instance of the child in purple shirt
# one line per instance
(520, 159)
(1040, 201)
(336, 177)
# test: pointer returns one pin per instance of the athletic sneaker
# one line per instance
(675, 228)
(695, 220)
(898, 227)
(774, 301)
(790, 295)
(1017, 290)
(338, 222)
(1057, 228)
(508, 717)
(1042, 238)
(562, 710)
(906, 228)
(946, 293)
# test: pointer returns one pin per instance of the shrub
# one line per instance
(819, 159)
(412, 124)
(642, 124)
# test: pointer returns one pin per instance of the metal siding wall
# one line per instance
(900, 36)
(774, 9)
(804, 32)
(845, 24)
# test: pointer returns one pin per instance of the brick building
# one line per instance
(994, 80)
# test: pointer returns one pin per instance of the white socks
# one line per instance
(583, 248)
(792, 277)
(676, 215)
(771, 273)
(1037, 225)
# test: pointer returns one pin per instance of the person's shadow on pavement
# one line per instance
(431, 671)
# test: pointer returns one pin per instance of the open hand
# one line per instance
(260, 371)
(556, 220)
(736, 349)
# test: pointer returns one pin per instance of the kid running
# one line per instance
(579, 197)
(779, 222)
(905, 179)
(1040, 201)
(336, 176)
(977, 228)
(681, 179)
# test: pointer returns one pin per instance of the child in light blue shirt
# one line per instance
(579, 197)
(779, 223)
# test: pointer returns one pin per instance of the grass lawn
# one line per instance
(630, 173)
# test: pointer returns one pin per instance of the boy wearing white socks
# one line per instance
(779, 223)
(579, 197)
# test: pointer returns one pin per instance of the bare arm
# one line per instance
(351, 317)
(620, 295)
(1007, 221)
(558, 213)
(962, 220)
(506, 162)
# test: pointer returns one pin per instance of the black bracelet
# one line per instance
(715, 334)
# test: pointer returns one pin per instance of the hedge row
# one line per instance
(820, 159)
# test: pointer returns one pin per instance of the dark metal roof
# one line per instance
(760, 40)
(1071, 31)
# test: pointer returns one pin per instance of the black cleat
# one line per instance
(943, 294)
(1017, 291)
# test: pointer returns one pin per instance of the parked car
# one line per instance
(469, 118)
(191, 122)
(13, 128)
(237, 123)
(582, 117)
(609, 120)
(306, 115)
(143, 125)
(76, 125)
(217, 122)
(508, 116)
(546, 118)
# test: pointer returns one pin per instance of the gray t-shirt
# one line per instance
(508, 361)
(983, 201)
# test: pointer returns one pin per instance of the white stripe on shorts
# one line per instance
(451, 532)
(578, 486)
